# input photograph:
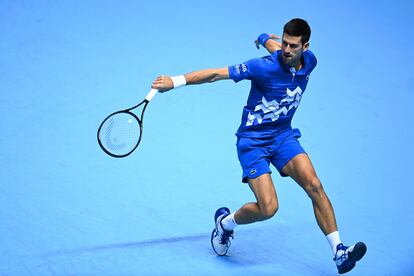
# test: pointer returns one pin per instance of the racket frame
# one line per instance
(140, 121)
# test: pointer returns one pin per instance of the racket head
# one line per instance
(120, 133)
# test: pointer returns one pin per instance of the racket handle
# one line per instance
(151, 94)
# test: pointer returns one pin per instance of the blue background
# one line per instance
(66, 208)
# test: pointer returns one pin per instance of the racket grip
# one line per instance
(151, 94)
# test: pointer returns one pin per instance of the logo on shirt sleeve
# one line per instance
(240, 68)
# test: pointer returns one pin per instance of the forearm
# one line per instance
(207, 75)
(272, 46)
(165, 83)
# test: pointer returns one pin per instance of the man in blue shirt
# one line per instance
(265, 136)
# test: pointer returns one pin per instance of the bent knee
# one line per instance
(269, 210)
(313, 187)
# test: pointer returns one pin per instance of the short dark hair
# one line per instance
(298, 27)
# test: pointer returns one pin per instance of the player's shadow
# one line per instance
(250, 248)
(128, 245)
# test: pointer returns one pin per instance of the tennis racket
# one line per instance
(121, 132)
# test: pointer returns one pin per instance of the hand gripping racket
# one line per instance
(121, 132)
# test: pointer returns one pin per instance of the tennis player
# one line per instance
(266, 136)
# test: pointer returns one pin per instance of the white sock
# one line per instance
(229, 223)
(334, 240)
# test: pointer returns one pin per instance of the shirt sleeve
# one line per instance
(312, 60)
(247, 70)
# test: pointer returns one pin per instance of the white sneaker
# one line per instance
(220, 238)
(346, 257)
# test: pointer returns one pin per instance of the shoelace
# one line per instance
(225, 238)
(344, 255)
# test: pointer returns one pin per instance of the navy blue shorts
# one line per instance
(255, 154)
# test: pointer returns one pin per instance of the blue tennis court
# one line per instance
(67, 208)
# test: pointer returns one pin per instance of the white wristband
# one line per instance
(179, 81)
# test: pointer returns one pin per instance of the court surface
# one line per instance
(66, 208)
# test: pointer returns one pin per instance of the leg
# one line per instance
(254, 159)
(301, 170)
(266, 205)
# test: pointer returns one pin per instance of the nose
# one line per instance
(287, 48)
(287, 53)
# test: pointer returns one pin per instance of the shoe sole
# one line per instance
(359, 251)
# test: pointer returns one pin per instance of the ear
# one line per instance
(306, 46)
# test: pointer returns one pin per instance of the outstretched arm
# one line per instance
(165, 83)
(269, 41)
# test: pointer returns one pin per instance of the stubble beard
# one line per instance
(291, 61)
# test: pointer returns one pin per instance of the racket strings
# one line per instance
(120, 133)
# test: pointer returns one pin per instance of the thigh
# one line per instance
(300, 168)
(263, 189)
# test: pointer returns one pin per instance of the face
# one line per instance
(292, 49)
